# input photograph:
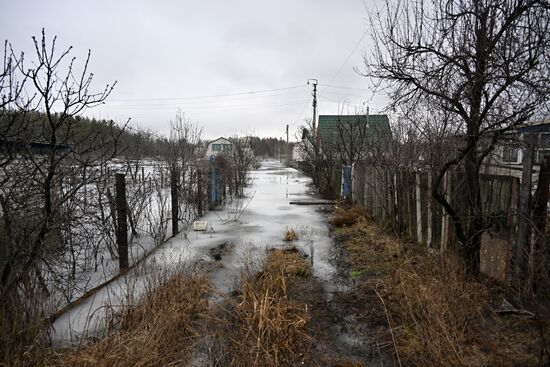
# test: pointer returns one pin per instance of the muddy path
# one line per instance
(340, 337)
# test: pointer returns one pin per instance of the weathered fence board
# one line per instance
(402, 200)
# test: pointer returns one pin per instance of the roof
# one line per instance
(220, 138)
(377, 126)
(534, 128)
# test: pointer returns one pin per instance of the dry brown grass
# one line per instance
(160, 330)
(290, 235)
(437, 317)
(22, 342)
(343, 217)
(289, 262)
(174, 322)
(264, 326)
(370, 250)
(437, 310)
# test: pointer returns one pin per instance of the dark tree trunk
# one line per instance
(470, 249)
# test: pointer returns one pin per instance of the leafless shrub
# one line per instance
(183, 165)
(320, 162)
(46, 180)
(157, 213)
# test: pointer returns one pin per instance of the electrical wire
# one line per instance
(340, 87)
(209, 96)
(170, 112)
(206, 101)
(349, 56)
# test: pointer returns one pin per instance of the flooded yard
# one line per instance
(236, 238)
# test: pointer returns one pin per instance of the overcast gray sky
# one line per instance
(162, 53)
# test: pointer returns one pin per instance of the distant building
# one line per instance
(218, 146)
(507, 157)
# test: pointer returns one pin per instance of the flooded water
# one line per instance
(256, 223)
(269, 215)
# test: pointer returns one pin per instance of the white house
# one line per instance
(218, 146)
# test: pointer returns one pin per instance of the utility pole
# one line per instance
(314, 82)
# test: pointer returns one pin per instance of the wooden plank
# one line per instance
(430, 212)
(418, 209)
(520, 245)
(313, 202)
(537, 253)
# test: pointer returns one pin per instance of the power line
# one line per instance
(349, 56)
(341, 87)
(213, 109)
(303, 111)
(209, 96)
(346, 94)
(206, 107)
(117, 104)
(329, 99)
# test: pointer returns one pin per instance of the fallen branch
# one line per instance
(312, 202)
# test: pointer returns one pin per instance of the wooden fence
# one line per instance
(402, 200)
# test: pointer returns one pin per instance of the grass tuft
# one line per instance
(289, 262)
(290, 235)
(343, 217)
(159, 330)
(264, 325)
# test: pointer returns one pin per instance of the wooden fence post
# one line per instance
(418, 209)
(122, 226)
(174, 196)
(395, 204)
(199, 193)
(429, 201)
(536, 258)
(445, 218)
(519, 252)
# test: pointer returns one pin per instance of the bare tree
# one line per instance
(182, 159)
(13, 101)
(320, 162)
(242, 160)
(46, 186)
(480, 67)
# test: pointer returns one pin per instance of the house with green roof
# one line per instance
(348, 129)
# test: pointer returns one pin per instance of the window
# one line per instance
(544, 141)
(510, 154)
(226, 147)
(541, 154)
(216, 147)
